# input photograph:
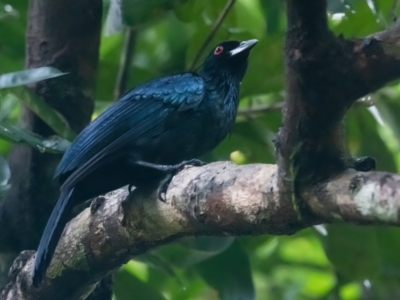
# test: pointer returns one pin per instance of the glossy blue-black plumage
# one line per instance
(164, 121)
(140, 113)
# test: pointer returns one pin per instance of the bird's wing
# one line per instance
(184, 91)
(141, 112)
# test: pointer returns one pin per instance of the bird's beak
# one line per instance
(246, 45)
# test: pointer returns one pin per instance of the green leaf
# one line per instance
(229, 273)
(359, 20)
(53, 144)
(353, 250)
(49, 115)
(128, 287)
(388, 239)
(28, 76)
(5, 175)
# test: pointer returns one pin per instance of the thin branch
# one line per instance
(127, 53)
(260, 109)
(217, 24)
(219, 199)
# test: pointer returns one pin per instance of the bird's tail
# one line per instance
(51, 235)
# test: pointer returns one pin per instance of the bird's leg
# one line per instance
(171, 170)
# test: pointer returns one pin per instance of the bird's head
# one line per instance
(229, 57)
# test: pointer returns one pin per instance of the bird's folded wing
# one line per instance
(140, 113)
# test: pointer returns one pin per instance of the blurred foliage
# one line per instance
(340, 262)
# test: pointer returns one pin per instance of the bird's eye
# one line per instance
(218, 50)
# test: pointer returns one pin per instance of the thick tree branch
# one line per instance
(325, 76)
(217, 199)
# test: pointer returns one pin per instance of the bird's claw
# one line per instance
(162, 189)
(193, 162)
(164, 184)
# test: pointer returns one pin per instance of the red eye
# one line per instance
(218, 50)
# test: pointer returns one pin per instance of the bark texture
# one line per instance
(217, 199)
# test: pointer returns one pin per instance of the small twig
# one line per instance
(259, 109)
(125, 62)
(217, 24)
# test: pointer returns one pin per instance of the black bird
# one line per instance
(158, 126)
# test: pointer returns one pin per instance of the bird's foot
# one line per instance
(171, 171)
(163, 187)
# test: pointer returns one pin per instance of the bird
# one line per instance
(148, 135)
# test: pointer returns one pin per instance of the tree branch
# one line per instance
(325, 76)
(217, 199)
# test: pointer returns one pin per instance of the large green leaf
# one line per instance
(28, 76)
(49, 115)
(229, 273)
(128, 287)
(53, 144)
(360, 20)
(353, 250)
(388, 239)
(365, 253)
